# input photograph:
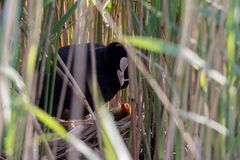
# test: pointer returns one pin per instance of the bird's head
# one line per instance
(116, 59)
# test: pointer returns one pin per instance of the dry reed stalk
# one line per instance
(160, 94)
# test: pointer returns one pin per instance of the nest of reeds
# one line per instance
(85, 129)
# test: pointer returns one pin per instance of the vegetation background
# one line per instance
(184, 76)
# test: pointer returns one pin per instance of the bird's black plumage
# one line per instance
(108, 68)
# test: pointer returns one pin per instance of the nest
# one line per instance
(86, 130)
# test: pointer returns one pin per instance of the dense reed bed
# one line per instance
(183, 78)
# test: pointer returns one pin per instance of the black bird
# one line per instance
(111, 68)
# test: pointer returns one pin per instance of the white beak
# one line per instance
(120, 73)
